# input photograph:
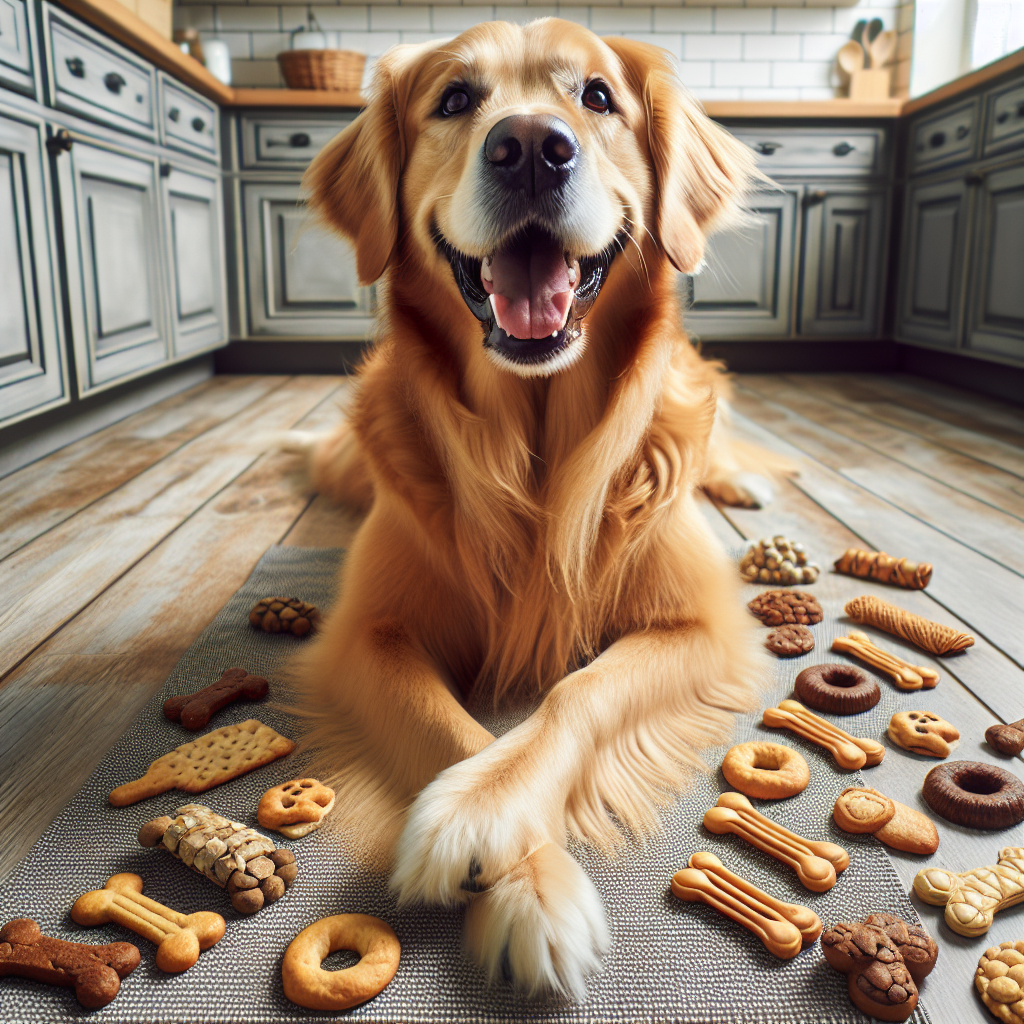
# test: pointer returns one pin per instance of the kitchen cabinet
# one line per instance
(16, 64)
(33, 368)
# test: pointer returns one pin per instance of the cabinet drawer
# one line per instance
(92, 78)
(287, 142)
(15, 46)
(946, 139)
(780, 152)
(188, 121)
(1004, 119)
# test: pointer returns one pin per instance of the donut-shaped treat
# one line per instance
(308, 984)
(766, 771)
(837, 689)
(974, 794)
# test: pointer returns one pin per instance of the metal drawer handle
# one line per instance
(76, 66)
(114, 82)
(974, 178)
(198, 124)
(937, 139)
(300, 140)
(767, 148)
(963, 131)
(1003, 117)
(819, 195)
(59, 142)
(174, 114)
(165, 169)
(843, 149)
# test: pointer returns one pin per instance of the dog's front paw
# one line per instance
(742, 490)
(541, 926)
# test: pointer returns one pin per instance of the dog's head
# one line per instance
(513, 165)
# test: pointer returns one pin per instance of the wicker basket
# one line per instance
(339, 70)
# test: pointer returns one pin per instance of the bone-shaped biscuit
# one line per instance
(902, 673)
(816, 864)
(179, 938)
(850, 752)
(194, 710)
(973, 898)
(783, 928)
(94, 971)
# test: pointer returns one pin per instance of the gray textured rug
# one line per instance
(669, 961)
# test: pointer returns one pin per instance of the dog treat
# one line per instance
(865, 811)
(775, 607)
(878, 980)
(1007, 739)
(850, 752)
(208, 761)
(973, 898)
(307, 984)
(228, 853)
(766, 771)
(929, 636)
(877, 565)
(837, 689)
(974, 794)
(295, 808)
(179, 938)
(923, 733)
(285, 615)
(783, 928)
(816, 864)
(902, 673)
(194, 710)
(999, 980)
(918, 949)
(95, 972)
(778, 560)
(790, 641)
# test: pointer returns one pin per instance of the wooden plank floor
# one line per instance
(116, 552)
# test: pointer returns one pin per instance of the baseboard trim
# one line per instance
(287, 356)
(997, 380)
(803, 356)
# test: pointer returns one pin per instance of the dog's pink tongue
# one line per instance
(531, 290)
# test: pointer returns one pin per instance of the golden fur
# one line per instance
(530, 538)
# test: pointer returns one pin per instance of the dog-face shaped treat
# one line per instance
(999, 980)
(878, 980)
(94, 971)
(923, 733)
(973, 898)
(295, 808)
(179, 938)
(194, 710)
(1007, 739)
(918, 949)
(850, 752)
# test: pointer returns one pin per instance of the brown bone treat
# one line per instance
(194, 710)
(775, 607)
(95, 972)
(1007, 739)
(918, 949)
(929, 636)
(902, 673)
(850, 752)
(790, 641)
(784, 928)
(999, 980)
(877, 565)
(923, 733)
(285, 615)
(878, 980)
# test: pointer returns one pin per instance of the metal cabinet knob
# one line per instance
(937, 139)
(59, 142)
(974, 178)
(813, 196)
(842, 149)
(198, 124)
(767, 148)
(174, 114)
(114, 82)
(963, 131)
(165, 169)
(1003, 117)
(299, 140)
(76, 66)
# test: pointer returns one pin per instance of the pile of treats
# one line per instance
(778, 560)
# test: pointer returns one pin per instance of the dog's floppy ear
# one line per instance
(701, 171)
(353, 182)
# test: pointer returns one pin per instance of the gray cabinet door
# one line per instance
(931, 285)
(843, 262)
(33, 374)
(301, 277)
(195, 250)
(16, 46)
(744, 288)
(112, 241)
(997, 258)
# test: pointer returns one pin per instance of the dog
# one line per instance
(527, 442)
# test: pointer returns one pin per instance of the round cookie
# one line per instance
(999, 980)
(837, 689)
(765, 771)
(974, 794)
(790, 641)
(775, 607)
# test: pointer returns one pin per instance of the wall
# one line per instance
(726, 52)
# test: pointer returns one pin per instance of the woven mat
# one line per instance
(669, 961)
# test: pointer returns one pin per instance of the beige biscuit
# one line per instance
(208, 761)
(179, 937)
(783, 928)
(765, 771)
(295, 808)
(923, 733)
(307, 984)
(850, 752)
(862, 810)
(816, 864)
(999, 980)
(902, 673)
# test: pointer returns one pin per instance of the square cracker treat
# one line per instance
(208, 761)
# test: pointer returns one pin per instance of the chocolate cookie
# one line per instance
(975, 794)
(776, 607)
(918, 949)
(790, 641)
(837, 689)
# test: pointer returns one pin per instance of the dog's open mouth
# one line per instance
(530, 294)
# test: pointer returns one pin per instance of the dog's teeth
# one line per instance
(554, 334)
(572, 275)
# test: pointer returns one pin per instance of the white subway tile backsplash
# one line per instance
(621, 19)
(425, 37)
(769, 94)
(398, 19)
(686, 19)
(743, 20)
(717, 93)
(847, 17)
(671, 41)
(372, 43)
(239, 43)
(771, 47)
(695, 73)
(742, 73)
(522, 15)
(248, 18)
(256, 74)
(822, 47)
(804, 19)
(579, 15)
(343, 19)
(802, 73)
(458, 19)
(817, 93)
(196, 16)
(712, 47)
(267, 45)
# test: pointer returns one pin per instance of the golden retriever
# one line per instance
(527, 441)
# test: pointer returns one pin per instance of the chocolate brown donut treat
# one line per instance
(776, 607)
(790, 641)
(285, 615)
(974, 794)
(999, 980)
(837, 689)
(194, 710)
(918, 949)
(1007, 739)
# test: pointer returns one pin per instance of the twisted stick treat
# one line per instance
(850, 752)
(902, 673)
(877, 565)
(928, 635)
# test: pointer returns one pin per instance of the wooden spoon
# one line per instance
(874, 27)
(882, 48)
(851, 57)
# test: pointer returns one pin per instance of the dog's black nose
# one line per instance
(531, 153)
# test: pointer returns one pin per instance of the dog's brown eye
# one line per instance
(597, 97)
(455, 100)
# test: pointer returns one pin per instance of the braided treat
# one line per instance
(928, 635)
(877, 565)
